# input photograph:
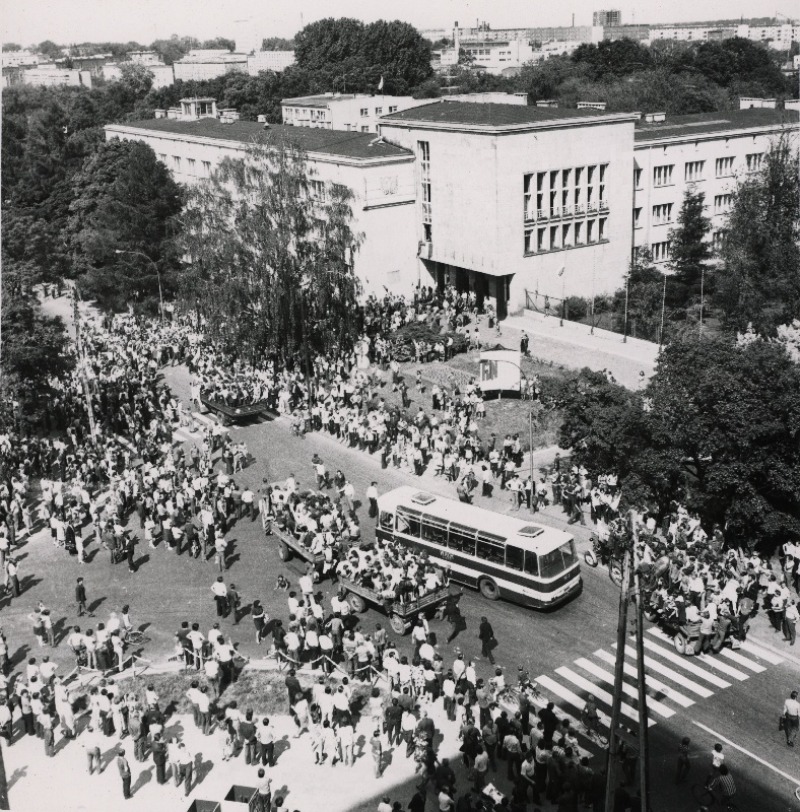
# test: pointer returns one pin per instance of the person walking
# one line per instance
(220, 596)
(159, 752)
(791, 718)
(486, 636)
(376, 748)
(790, 618)
(682, 769)
(125, 773)
(80, 598)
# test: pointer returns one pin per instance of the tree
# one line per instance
(124, 199)
(11, 47)
(175, 48)
(690, 251)
(219, 43)
(761, 254)
(137, 78)
(277, 44)
(645, 291)
(277, 278)
(613, 57)
(50, 49)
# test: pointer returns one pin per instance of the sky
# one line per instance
(70, 21)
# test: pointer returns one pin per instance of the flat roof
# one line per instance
(717, 122)
(310, 139)
(494, 116)
(320, 100)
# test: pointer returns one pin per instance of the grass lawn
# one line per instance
(263, 691)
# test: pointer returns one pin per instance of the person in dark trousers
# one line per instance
(125, 773)
(80, 597)
(159, 751)
(234, 602)
(452, 614)
(486, 636)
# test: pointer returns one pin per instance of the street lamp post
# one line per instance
(702, 293)
(663, 309)
(625, 317)
(158, 275)
(563, 300)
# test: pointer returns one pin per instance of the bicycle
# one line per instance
(709, 800)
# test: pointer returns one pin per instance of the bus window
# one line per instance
(461, 538)
(387, 520)
(408, 522)
(531, 563)
(489, 549)
(434, 530)
(514, 557)
(560, 559)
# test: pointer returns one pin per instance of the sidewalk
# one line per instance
(573, 345)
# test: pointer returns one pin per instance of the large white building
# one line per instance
(208, 64)
(380, 175)
(500, 199)
(706, 152)
(352, 112)
(52, 76)
(276, 61)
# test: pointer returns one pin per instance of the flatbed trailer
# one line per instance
(289, 546)
(401, 613)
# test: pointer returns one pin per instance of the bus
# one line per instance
(501, 556)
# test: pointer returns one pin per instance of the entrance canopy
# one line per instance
(499, 369)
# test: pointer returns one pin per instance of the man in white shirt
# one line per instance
(791, 718)
(220, 592)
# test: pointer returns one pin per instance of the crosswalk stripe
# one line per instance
(682, 661)
(709, 660)
(653, 683)
(598, 693)
(664, 671)
(608, 677)
(761, 653)
(737, 658)
(561, 692)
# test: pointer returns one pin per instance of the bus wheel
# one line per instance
(357, 603)
(284, 553)
(398, 624)
(488, 589)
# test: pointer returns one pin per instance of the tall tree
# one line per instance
(124, 200)
(271, 255)
(690, 252)
(761, 254)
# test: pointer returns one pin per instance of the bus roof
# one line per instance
(538, 538)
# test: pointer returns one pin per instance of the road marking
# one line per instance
(664, 671)
(608, 677)
(681, 660)
(708, 660)
(737, 658)
(795, 781)
(762, 653)
(564, 693)
(653, 683)
(598, 693)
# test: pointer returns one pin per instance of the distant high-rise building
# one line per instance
(604, 18)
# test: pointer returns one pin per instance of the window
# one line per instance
(379, 111)
(718, 239)
(530, 213)
(591, 202)
(541, 239)
(529, 246)
(661, 251)
(206, 168)
(515, 558)
(601, 229)
(693, 171)
(754, 161)
(176, 159)
(578, 233)
(566, 202)
(553, 564)
(566, 235)
(722, 204)
(662, 175)
(531, 563)
(724, 167)
(662, 214)
(364, 128)
(590, 232)
(162, 157)
(578, 198)
(491, 548)
(190, 165)
(424, 149)
(554, 244)
(393, 108)
(637, 178)
(461, 538)
(603, 201)
(408, 521)
(364, 111)
(541, 177)
(317, 190)
(637, 217)
(434, 530)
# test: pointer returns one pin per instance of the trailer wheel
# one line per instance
(679, 641)
(398, 624)
(284, 553)
(488, 589)
(357, 603)
(615, 572)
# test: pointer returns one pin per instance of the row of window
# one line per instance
(662, 212)
(661, 250)
(564, 192)
(378, 110)
(565, 235)
(191, 165)
(694, 171)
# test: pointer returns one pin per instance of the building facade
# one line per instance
(208, 64)
(708, 153)
(380, 176)
(516, 199)
(351, 112)
(275, 61)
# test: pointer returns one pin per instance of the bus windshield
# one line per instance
(557, 561)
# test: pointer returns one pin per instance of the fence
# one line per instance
(559, 308)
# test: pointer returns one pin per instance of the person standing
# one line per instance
(372, 498)
(683, 765)
(376, 748)
(791, 718)
(91, 744)
(80, 597)
(220, 596)
(790, 618)
(486, 636)
(159, 752)
(264, 791)
(125, 773)
(186, 767)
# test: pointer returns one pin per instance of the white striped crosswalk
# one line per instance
(183, 434)
(674, 681)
